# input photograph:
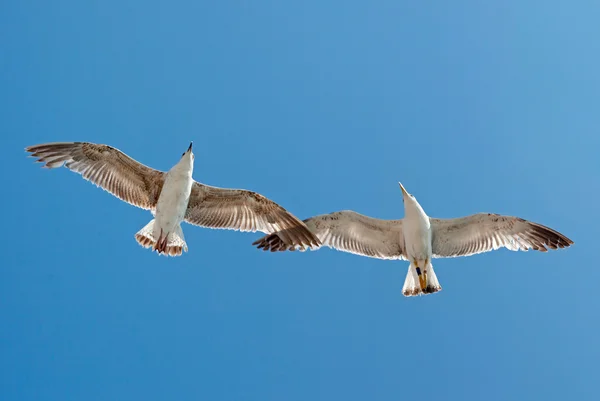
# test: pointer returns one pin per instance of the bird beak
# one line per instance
(190, 148)
(404, 193)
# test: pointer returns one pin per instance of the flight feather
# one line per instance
(484, 232)
(106, 167)
(351, 232)
(243, 210)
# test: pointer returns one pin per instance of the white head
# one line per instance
(409, 200)
(187, 159)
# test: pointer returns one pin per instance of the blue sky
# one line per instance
(321, 106)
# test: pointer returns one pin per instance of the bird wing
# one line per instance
(484, 232)
(106, 167)
(238, 209)
(351, 232)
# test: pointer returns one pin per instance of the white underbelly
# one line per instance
(417, 239)
(172, 202)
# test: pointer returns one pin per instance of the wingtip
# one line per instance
(274, 243)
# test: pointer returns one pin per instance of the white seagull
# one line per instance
(418, 238)
(173, 197)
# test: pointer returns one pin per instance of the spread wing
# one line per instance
(351, 232)
(107, 167)
(238, 209)
(484, 232)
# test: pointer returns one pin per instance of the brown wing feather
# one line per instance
(238, 209)
(484, 232)
(107, 167)
(350, 232)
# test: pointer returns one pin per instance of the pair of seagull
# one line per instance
(173, 197)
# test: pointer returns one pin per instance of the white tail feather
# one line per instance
(412, 286)
(433, 285)
(169, 244)
(145, 237)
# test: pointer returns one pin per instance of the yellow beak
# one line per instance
(403, 190)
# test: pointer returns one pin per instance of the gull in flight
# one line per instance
(173, 197)
(418, 238)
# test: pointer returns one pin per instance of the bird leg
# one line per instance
(422, 276)
(424, 284)
(156, 246)
(161, 244)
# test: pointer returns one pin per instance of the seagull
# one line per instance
(418, 238)
(173, 197)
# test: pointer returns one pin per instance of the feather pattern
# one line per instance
(243, 210)
(484, 232)
(351, 232)
(106, 167)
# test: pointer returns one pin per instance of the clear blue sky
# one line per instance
(321, 106)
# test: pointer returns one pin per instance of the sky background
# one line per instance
(321, 106)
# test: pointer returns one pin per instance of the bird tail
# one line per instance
(169, 244)
(420, 281)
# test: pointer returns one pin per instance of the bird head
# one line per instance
(406, 197)
(187, 157)
(189, 152)
(410, 202)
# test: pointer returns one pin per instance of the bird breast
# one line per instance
(417, 236)
(173, 200)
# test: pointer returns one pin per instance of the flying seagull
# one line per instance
(418, 238)
(174, 196)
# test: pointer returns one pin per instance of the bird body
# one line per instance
(164, 232)
(419, 238)
(417, 232)
(416, 227)
(173, 197)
